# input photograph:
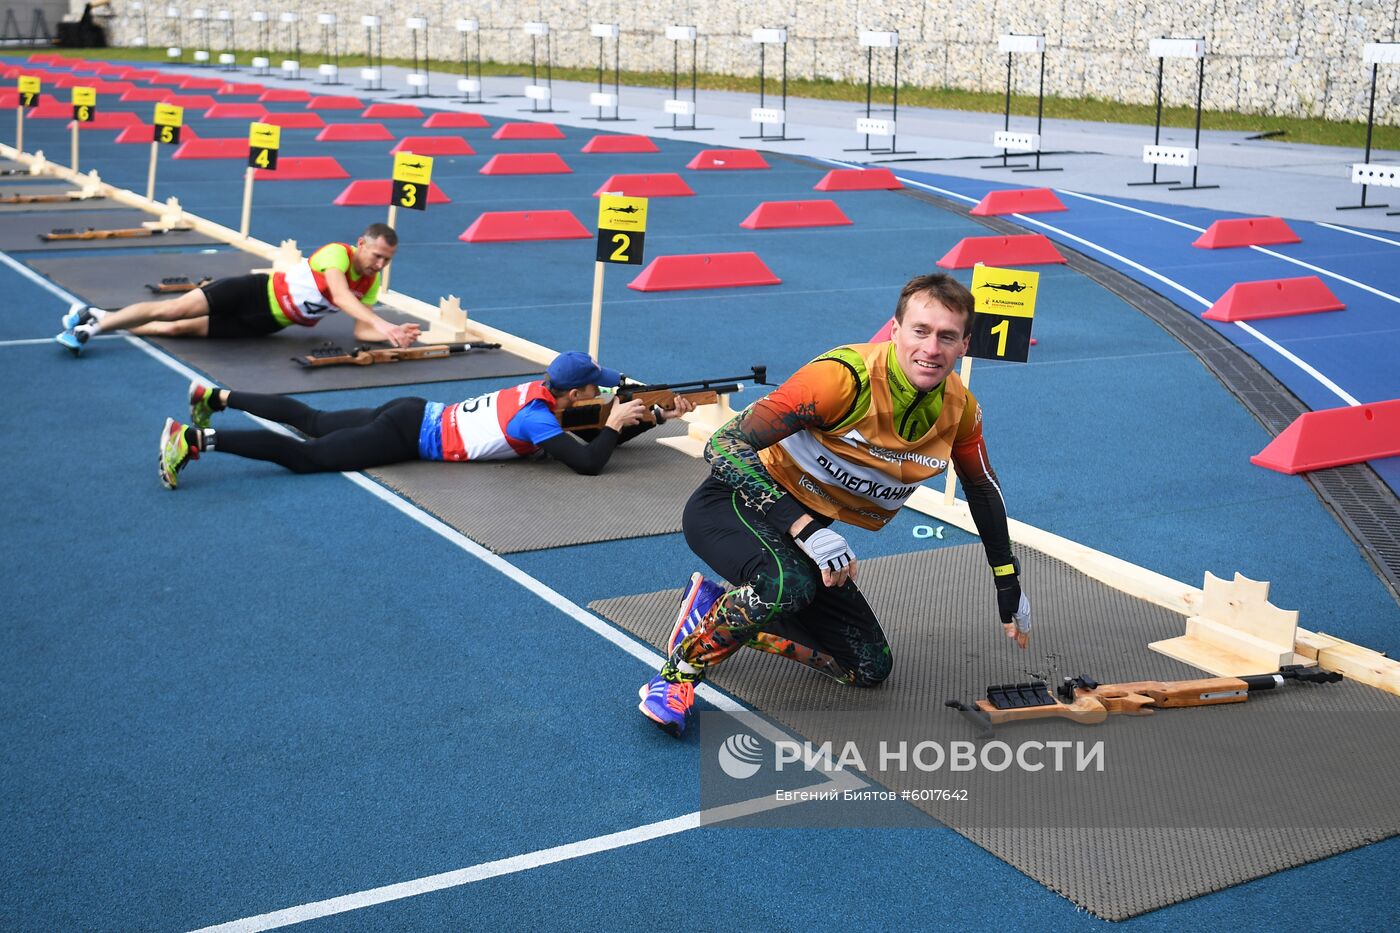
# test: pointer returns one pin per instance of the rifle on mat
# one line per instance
(91, 233)
(592, 415)
(1089, 703)
(331, 355)
(45, 198)
(177, 284)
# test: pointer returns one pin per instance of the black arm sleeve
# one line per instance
(587, 459)
(989, 515)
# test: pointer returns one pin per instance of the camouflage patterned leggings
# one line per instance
(780, 605)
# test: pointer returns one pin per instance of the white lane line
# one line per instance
(1258, 249)
(1360, 233)
(37, 279)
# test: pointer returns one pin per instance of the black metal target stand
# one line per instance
(870, 125)
(1024, 144)
(418, 78)
(469, 86)
(1180, 156)
(763, 114)
(174, 35)
(228, 60)
(604, 99)
(262, 60)
(373, 72)
(201, 54)
(675, 106)
(291, 67)
(1364, 173)
(330, 48)
(535, 91)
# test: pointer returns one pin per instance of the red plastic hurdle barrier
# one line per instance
(667, 185)
(514, 226)
(168, 79)
(526, 163)
(112, 87)
(284, 95)
(391, 112)
(1247, 231)
(375, 191)
(141, 95)
(455, 121)
(191, 101)
(213, 148)
(703, 270)
(434, 146)
(241, 90)
(332, 102)
(727, 159)
(1334, 437)
(141, 133)
(619, 144)
(236, 112)
(772, 215)
(109, 120)
(354, 133)
(201, 84)
(858, 179)
(1031, 249)
(305, 168)
(1250, 301)
(50, 110)
(1018, 201)
(528, 131)
(295, 121)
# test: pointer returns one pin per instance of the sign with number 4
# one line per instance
(264, 140)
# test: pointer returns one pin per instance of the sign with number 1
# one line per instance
(1001, 324)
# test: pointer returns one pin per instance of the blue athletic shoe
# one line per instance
(699, 597)
(73, 341)
(77, 313)
(667, 704)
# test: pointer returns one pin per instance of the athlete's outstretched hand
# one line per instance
(831, 553)
(1012, 605)
(402, 335)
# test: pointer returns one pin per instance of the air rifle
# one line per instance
(331, 355)
(177, 284)
(45, 198)
(592, 415)
(1089, 703)
(91, 233)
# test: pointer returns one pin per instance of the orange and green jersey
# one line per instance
(302, 296)
(848, 438)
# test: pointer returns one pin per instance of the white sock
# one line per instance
(685, 668)
(88, 329)
(206, 439)
(98, 313)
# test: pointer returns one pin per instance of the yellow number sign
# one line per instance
(84, 104)
(264, 140)
(1001, 325)
(413, 178)
(168, 119)
(29, 91)
(622, 225)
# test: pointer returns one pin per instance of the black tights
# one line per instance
(356, 439)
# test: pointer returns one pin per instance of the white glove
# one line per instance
(827, 548)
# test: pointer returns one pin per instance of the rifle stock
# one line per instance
(91, 233)
(331, 355)
(175, 285)
(1089, 703)
(592, 415)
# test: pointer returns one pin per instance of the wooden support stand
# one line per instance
(450, 325)
(1236, 631)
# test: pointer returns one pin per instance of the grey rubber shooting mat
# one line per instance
(528, 505)
(938, 611)
(9, 188)
(21, 230)
(115, 281)
(262, 364)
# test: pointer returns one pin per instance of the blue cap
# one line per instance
(575, 369)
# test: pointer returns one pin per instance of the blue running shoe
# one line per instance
(667, 704)
(73, 341)
(78, 313)
(698, 599)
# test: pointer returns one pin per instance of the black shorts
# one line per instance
(238, 307)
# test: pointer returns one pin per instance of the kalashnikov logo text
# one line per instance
(740, 756)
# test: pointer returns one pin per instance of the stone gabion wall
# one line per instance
(1279, 57)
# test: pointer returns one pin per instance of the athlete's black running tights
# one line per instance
(356, 439)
